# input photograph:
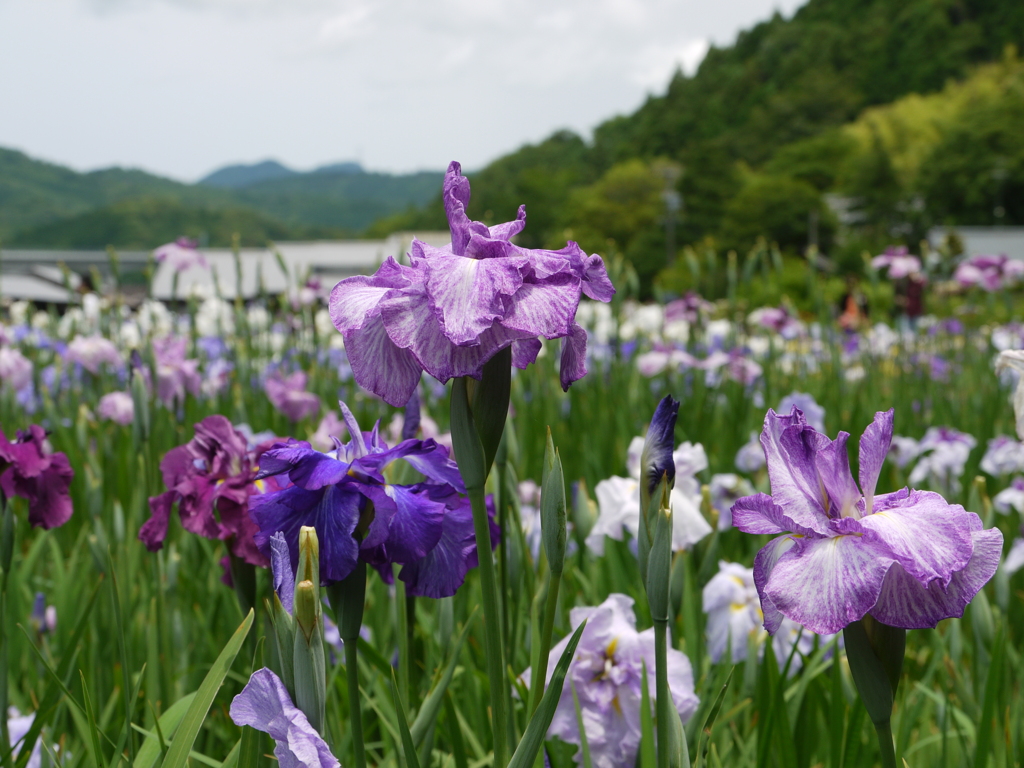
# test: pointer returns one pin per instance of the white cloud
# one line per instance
(183, 86)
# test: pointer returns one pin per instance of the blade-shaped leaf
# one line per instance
(533, 739)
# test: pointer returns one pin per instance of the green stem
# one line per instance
(404, 642)
(355, 714)
(492, 627)
(664, 698)
(885, 744)
(547, 630)
(6, 558)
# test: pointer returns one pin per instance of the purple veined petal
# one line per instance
(281, 570)
(760, 514)
(431, 460)
(413, 326)
(874, 447)
(905, 602)
(833, 465)
(414, 522)
(443, 569)
(596, 283)
(455, 195)
(544, 309)
(466, 294)
(524, 352)
(154, 531)
(656, 460)
(572, 365)
(265, 705)
(307, 468)
(930, 538)
(356, 439)
(333, 511)
(509, 229)
(827, 583)
(789, 453)
(381, 366)
(764, 562)
(354, 300)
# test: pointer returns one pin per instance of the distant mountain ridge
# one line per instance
(242, 175)
(47, 205)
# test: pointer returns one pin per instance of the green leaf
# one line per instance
(432, 704)
(178, 753)
(537, 728)
(412, 760)
(648, 756)
(584, 744)
(150, 750)
(249, 746)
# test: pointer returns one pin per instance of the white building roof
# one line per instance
(988, 241)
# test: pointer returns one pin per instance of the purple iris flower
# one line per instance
(211, 478)
(898, 261)
(814, 413)
(455, 307)
(28, 469)
(288, 394)
(265, 705)
(175, 375)
(908, 558)
(426, 527)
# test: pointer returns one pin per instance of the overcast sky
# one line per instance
(181, 87)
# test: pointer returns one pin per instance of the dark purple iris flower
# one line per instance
(426, 527)
(211, 478)
(908, 558)
(27, 470)
(455, 307)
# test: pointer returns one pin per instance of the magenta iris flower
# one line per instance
(426, 527)
(28, 470)
(908, 558)
(211, 478)
(455, 307)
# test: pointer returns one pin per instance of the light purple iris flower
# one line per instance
(15, 368)
(93, 352)
(288, 394)
(1011, 497)
(175, 375)
(908, 558)
(1004, 456)
(29, 469)
(455, 307)
(426, 527)
(991, 273)
(898, 261)
(731, 603)
(117, 407)
(943, 454)
(265, 705)
(814, 413)
(607, 673)
(750, 456)
(725, 489)
(182, 254)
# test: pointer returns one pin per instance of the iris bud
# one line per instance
(552, 508)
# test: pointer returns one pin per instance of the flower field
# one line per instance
(187, 530)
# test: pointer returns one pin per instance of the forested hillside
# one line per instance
(770, 125)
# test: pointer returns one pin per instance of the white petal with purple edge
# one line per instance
(791, 471)
(873, 448)
(905, 602)
(764, 562)
(827, 583)
(928, 537)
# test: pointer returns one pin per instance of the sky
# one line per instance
(182, 87)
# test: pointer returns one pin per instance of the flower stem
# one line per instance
(664, 698)
(347, 598)
(492, 628)
(885, 744)
(547, 630)
(6, 557)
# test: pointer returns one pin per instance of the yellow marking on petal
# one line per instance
(615, 703)
(610, 650)
(261, 485)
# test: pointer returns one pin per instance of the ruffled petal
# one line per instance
(354, 301)
(510, 229)
(596, 283)
(930, 538)
(467, 295)
(573, 363)
(333, 511)
(827, 583)
(380, 365)
(760, 514)
(524, 352)
(414, 522)
(874, 447)
(544, 309)
(265, 705)
(764, 562)
(443, 569)
(789, 446)
(154, 531)
(833, 465)
(905, 602)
